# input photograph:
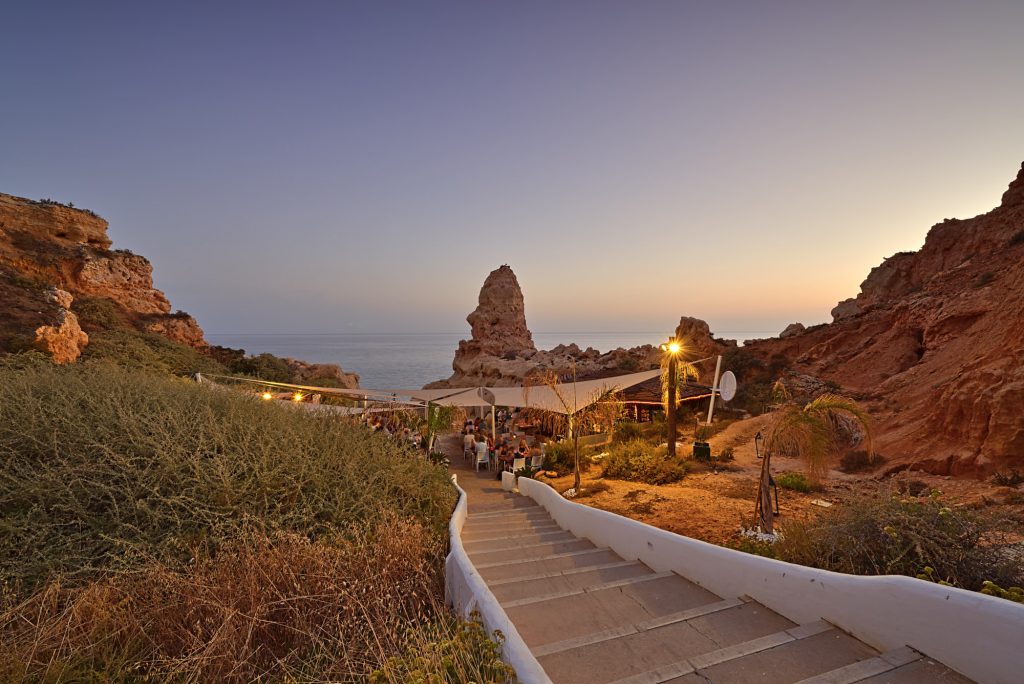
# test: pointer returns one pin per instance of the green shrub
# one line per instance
(265, 367)
(558, 456)
(149, 352)
(880, 532)
(642, 462)
(798, 482)
(99, 313)
(626, 431)
(102, 468)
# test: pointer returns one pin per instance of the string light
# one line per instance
(297, 396)
(268, 395)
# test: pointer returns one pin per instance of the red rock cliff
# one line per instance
(934, 343)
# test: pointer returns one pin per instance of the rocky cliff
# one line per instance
(934, 344)
(55, 262)
(60, 283)
(501, 352)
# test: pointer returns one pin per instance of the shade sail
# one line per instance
(566, 397)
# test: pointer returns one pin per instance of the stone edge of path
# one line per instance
(466, 592)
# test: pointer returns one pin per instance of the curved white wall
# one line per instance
(980, 636)
(466, 591)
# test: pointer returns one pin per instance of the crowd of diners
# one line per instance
(500, 452)
(496, 452)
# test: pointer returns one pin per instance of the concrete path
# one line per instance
(590, 616)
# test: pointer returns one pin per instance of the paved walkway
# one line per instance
(590, 616)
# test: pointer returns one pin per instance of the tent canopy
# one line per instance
(566, 397)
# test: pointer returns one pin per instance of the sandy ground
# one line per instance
(710, 503)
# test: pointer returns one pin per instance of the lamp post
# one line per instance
(672, 348)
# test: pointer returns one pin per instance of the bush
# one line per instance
(558, 456)
(99, 313)
(798, 482)
(642, 462)
(880, 533)
(265, 367)
(626, 431)
(149, 352)
(102, 468)
(157, 529)
(1017, 239)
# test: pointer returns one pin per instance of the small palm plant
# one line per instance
(590, 413)
(813, 432)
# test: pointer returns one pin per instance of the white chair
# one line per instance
(537, 460)
(482, 457)
(518, 464)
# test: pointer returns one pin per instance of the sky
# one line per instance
(324, 167)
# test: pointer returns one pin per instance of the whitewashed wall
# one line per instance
(980, 636)
(466, 591)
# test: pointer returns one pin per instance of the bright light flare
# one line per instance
(267, 395)
(297, 396)
(674, 347)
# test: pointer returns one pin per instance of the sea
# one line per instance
(411, 360)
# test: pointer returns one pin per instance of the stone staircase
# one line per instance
(589, 616)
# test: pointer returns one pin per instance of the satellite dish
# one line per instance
(727, 386)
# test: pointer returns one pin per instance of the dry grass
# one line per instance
(154, 529)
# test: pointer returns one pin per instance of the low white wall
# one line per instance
(466, 591)
(980, 636)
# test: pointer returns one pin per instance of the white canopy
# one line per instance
(566, 397)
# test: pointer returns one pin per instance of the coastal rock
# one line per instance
(791, 330)
(317, 373)
(64, 339)
(498, 324)
(933, 345)
(501, 351)
(43, 245)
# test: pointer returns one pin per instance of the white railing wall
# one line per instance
(465, 591)
(980, 636)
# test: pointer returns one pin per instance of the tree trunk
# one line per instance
(576, 461)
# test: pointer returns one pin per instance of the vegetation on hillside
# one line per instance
(155, 528)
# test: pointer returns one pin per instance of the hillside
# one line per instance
(934, 345)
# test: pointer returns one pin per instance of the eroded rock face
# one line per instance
(64, 339)
(934, 344)
(68, 249)
(501, 351)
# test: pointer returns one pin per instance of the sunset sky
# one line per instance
(361, 167)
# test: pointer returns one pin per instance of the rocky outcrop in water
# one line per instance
(934, 344)
(501, 351)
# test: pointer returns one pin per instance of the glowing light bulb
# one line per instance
(268, 395)
(297, 396)
(674, 347)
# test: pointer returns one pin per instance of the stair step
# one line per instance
(922, 671)
(549, 596)
(535, 577)
(791, 661)
(522, 541)
(545, 622)
(499, 529)
(497, 512)
(616, 632)
(553, 563)
(533, 551)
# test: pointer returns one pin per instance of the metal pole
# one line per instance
(494, 434)
(671, 408)
(714, 389)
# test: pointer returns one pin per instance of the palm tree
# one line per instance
(599, 414)
(813, 432)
